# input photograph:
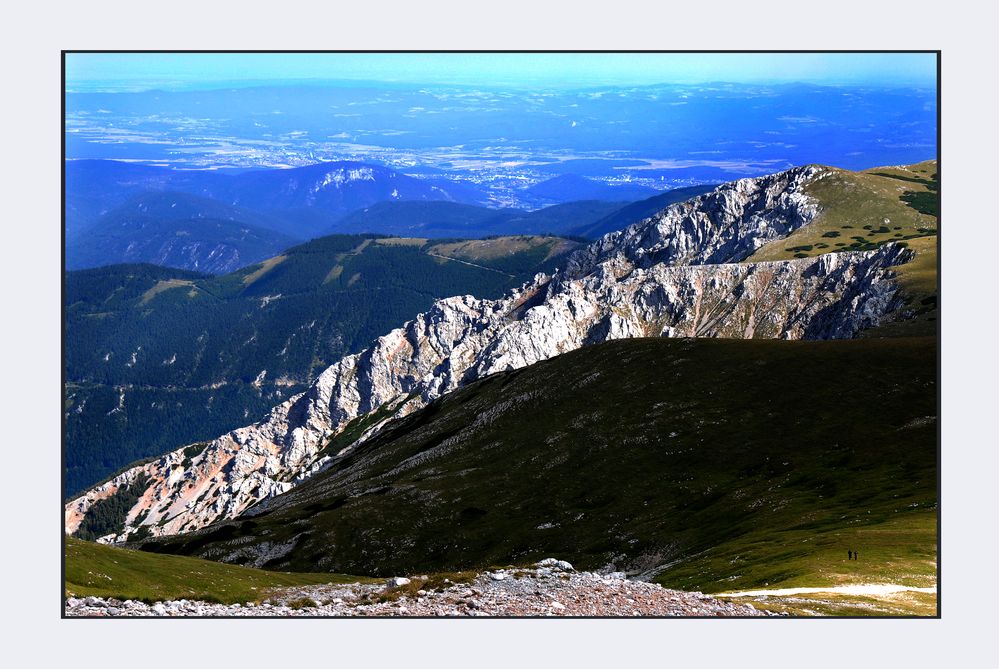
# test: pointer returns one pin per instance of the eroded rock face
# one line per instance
(672, 275)
(725, 225)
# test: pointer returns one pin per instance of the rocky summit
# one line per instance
(677, 274)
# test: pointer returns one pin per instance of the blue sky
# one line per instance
(182, 71)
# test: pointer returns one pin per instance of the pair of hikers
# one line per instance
(851, 555)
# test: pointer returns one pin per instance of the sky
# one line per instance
(176, 71)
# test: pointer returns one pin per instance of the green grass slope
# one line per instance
(859, 211)
(104, 571)
(712, 465)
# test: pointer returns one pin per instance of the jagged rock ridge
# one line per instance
(659, 277)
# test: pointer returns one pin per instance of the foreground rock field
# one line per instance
(551, 588)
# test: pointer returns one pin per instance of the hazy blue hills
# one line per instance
(335, 188)
(624, 216)
(450, 219)
(584, 218)
(218, 221)
(570, 187)
(326, 191)
(561, 218)
(199, 233)
(96, 187)
(158, 357)
(177, 230)
(427, 219)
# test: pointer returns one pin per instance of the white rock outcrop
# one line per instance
(675, 274)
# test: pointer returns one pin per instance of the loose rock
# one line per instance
(554, 589)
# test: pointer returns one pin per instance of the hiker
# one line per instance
(854, 555)
(849, 555)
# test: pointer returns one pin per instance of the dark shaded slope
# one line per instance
(653, 455)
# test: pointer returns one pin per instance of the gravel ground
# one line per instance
(551, 588)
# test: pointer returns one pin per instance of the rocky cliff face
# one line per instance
(725, 225)
(673, 275)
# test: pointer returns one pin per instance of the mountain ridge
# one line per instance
(159, 358)
(659, 277)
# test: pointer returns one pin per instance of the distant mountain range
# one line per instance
(217, 223)
(590, 219)
(327, 190)
(177, 230)
(570, 187)
(449, 219)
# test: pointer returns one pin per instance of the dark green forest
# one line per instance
(157, 358)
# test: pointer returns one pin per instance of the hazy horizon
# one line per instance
(562, 71)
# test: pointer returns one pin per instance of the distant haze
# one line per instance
(559, 70)
(500, 123)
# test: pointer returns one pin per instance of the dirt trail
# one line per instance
(862, 589)
(470, 264)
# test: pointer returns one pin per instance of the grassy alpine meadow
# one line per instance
(104, 571)
(898, 550)
(858, 211)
